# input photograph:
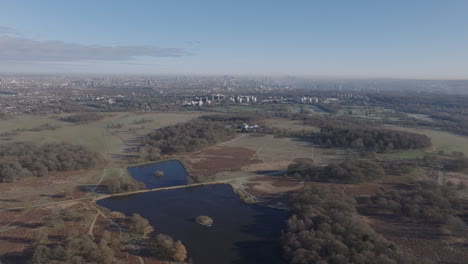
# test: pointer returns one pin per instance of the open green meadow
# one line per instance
(441, 141)
(292, 125)
(373, 112)
(102, 136)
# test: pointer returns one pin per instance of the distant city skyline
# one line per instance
(368, 39)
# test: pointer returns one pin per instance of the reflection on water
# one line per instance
(174, 174)
(241, 233)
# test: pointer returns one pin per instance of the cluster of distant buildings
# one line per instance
(219, 98)
(104, 98)
(249, 128)
(307, 99)
(353, 96)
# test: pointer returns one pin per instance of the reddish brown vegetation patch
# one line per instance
(279, 181)
(19, 226)
(208, 162)
(425, 242)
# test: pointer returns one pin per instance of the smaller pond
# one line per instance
(174, 174)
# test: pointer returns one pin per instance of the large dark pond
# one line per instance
(174, 174)
(241, 233)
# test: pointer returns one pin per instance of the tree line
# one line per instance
(324, 228)
(238, 118)
(183, 137)
(381, 140)
(21, 160)
(351, 170)
(85, 117)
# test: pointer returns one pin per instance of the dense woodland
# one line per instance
(351, 171)
(426, 202)
(349, 132)
(20, 160)
(183, 137)
(324, 228)
(75, 250)
(84, 249)
(455, 162)
(381, 140)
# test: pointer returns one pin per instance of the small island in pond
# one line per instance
(159, 173)
(204, 220)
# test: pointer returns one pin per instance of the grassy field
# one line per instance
(262, 154)
(272, 150)
(292, 125)
(421, 116)
(441, 141)
(96, 136)
(375, 113)
(26, 122)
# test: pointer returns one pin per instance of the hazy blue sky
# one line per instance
(392, 38)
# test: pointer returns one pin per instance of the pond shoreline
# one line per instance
(174, 209)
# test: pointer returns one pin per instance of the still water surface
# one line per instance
(174, 174)
(241, 233)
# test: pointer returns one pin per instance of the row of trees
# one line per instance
(20, 160)
(85, 117)
(248, 118)
(324, 228)
(351, 171)
(183, 137)
(426, 201)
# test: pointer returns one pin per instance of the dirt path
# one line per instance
(45, 204)
(161, 189)
(232, 140)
